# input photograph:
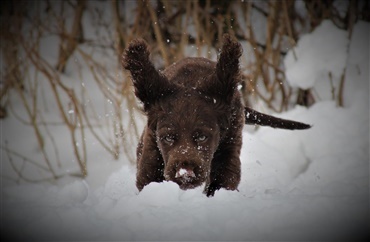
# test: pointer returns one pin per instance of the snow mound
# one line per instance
(319, 53)
(120, 184)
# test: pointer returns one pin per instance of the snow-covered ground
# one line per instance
(296, 185)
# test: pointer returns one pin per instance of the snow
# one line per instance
(357, 70)
(319, 53)
(181, 172)
(300, 185)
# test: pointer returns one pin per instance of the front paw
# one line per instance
(211, 189)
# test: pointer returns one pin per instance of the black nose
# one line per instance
(185, 173)
(185, 170)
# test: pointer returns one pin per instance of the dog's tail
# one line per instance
(257, 118)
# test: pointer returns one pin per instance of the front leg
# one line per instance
(150, 163)
(225, 170)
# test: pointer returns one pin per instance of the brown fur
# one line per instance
(195, 119)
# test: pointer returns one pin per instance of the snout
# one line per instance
(187, 174)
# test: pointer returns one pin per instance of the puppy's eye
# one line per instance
(201, 138)
(169, 138)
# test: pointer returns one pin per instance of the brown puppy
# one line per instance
(195, 119)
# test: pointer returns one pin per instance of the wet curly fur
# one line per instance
(195, 119)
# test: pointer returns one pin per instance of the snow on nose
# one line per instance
(185, 173)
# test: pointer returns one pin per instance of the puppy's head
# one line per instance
(187, 133)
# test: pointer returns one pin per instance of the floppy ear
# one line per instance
(149, 84)
(227, 76)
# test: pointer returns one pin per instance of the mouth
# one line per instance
(188, 184)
